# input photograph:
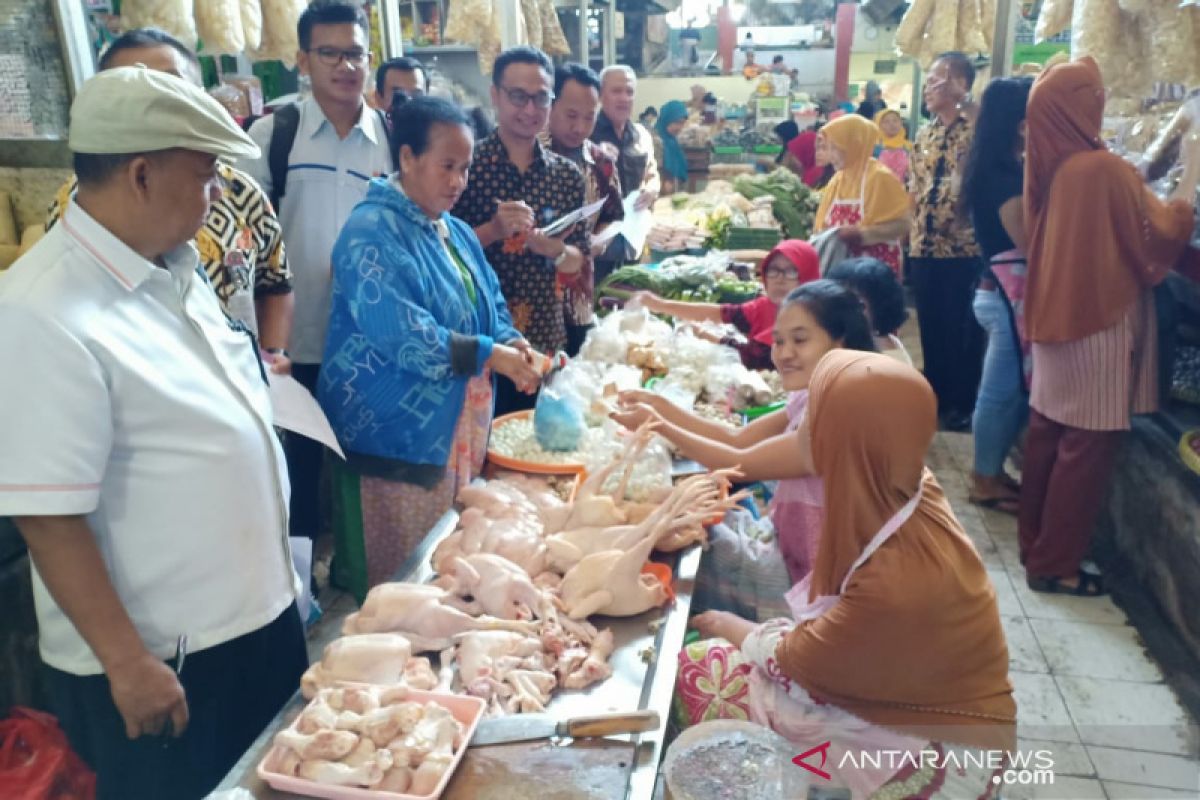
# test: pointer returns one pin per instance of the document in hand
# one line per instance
(563, 223)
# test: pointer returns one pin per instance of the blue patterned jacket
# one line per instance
(403, 337)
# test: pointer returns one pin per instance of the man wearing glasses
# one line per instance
(339, 144)
(517, 187)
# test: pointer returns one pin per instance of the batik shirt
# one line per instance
(241, 243)
(602, 181)
(552, 187)
(938, 160)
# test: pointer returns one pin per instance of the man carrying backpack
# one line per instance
(317, 157)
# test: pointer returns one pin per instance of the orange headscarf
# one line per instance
(1097, 235)
(883, 196)
(915, 642)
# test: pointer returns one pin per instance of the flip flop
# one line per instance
(1089, 585)
(1005, 505)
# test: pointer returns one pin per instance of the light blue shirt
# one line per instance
(327, 177)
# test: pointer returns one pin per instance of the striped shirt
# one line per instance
(327, 177)
(1098, 382)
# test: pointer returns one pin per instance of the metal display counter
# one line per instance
(620, 768)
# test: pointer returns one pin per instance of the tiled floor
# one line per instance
(1086, 690)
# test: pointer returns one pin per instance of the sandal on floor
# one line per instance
(1089, 585)
(1005, 505)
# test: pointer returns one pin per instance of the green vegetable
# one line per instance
(795, 203)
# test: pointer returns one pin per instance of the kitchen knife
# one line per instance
(526, 727)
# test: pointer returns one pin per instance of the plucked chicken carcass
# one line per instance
(519, 539)
(378, 658)
(692, 502)
(423, 614)
(611, 583)
(499, 587)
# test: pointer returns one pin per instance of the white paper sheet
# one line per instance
(578, 215)
(610, 232)
(296, 410)
(637, 224)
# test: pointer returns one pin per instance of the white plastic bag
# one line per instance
(173, 16)
(219, 23)
(558, 421)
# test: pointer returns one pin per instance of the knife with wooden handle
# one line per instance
(527, 727)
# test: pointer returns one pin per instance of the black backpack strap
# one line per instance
(283, 136)
(387, 132)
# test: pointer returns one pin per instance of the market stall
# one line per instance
(616, 767)
(563, 596)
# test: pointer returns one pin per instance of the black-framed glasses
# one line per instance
(332, 56)
(782, 272)
(521, 98)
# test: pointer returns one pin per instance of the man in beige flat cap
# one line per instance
(139, 456)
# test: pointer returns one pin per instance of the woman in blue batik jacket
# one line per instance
(418, 328)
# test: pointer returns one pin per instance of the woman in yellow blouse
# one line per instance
(864, 201)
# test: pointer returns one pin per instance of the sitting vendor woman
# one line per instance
(815, 318)
(896, 642)
(792, 263)
(417, 332)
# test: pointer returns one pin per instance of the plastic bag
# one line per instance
(173, 16)
(558, 421)
(252, 23)
(1055, 17)
(219, 23)
(37, 762)
(279, 37)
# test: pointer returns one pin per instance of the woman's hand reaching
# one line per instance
(521, 366)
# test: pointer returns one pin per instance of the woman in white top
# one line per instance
(877, 286)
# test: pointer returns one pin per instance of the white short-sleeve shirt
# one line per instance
(129, 398)
(326, 178)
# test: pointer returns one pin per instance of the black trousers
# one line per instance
(304, 460)
(233, 691)
(951, 339)
(508, 399)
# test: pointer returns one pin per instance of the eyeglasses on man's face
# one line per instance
(333, 56)
(521, 98)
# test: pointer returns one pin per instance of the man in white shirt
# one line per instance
(139, 456)
(339, 144)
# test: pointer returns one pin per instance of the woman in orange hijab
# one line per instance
(864, 201)
(1099, 241)
(897, 643)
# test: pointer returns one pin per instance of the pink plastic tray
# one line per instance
(466, 709)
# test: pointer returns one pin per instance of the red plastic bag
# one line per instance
(37, 762)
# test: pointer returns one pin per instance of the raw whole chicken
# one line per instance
(422, 614)
(690, 504)
(377, 658)
(519, 539)
(499, 587)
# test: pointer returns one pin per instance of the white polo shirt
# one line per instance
(327, 177)
(128, 397)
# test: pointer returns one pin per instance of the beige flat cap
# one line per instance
(139, 110)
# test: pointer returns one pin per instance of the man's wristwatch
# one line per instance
(277, 351)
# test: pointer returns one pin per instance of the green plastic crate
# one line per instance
(752, 238)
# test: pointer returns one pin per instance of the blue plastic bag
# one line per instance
(558, 421)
